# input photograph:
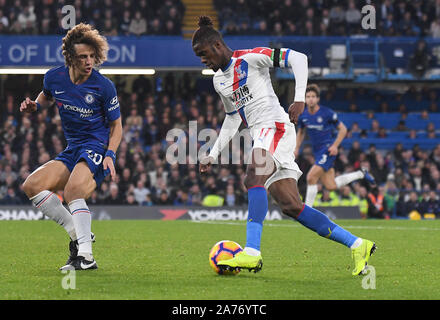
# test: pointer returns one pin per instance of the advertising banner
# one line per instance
(199, 214)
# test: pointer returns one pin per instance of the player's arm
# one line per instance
(342, 132)
(42, 101)
(229, 128)
(298, 62)
(113, 114)
(285, 58)
(113, 144)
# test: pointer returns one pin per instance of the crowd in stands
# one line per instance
(407, 179)
(328, 17)
(110, 17)
(237, 17)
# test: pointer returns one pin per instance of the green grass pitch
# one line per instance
(168, 260)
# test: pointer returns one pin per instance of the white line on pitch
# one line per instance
(297, 225)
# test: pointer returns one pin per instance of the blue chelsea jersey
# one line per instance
(85, 109)
(321, 127)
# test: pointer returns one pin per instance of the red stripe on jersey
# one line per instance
(280, 130)
(236, 82)
(261, 50)
(283, 57)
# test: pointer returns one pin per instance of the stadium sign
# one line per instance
(21, 213)
(193, 213)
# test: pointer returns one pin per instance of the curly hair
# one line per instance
(85, 34)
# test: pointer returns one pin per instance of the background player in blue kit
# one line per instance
(90, 114)
(321, 124)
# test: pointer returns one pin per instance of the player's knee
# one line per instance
(331, 186)
(72, 192)
(250, 179)
(292, 208)
(31, 186)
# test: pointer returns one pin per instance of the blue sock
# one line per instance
(322, 225)
(258, 206)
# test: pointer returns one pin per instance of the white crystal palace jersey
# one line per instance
(245, 86)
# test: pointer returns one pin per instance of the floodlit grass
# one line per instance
(168, 260)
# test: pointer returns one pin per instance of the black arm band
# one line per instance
(276, 58)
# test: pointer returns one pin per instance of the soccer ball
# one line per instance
(223, 250)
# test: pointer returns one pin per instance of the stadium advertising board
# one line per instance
(199, 214)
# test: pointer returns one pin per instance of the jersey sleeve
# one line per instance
(111, 103)
(46, 85)
(263, 57)
(333, 117)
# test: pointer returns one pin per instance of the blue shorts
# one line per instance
(324, 160)
(93, 155)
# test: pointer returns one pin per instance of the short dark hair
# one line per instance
(206, 32)
(314, 88)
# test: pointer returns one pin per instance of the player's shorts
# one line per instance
(279, 139)
(93, 155)
(324, 159)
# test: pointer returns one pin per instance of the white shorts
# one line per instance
(279, 139)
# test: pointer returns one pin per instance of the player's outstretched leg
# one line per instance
(286, 194)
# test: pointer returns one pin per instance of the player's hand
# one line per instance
(333, 150)
(108, 164)
(28, 106)
(205, 164)
(295, 110)
(296, 153)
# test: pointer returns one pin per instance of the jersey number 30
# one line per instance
(95, 157)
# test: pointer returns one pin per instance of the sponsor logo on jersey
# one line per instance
(89, 98)
(84, 112)
(114, 100)
(241, 96)
(114, 104)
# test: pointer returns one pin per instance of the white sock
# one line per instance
(49, 203)
(82, 219)
(347, 178)
(251, 251)
(312, 191)
(356, 244)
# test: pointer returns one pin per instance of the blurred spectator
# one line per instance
(352, 17)
(114, 197)
(430, 204)
(163, 199)
(419, 60)
(376, 205)
(130, 200)
(140, 192)
(348, 198)
(411, 207)
(138, 25)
